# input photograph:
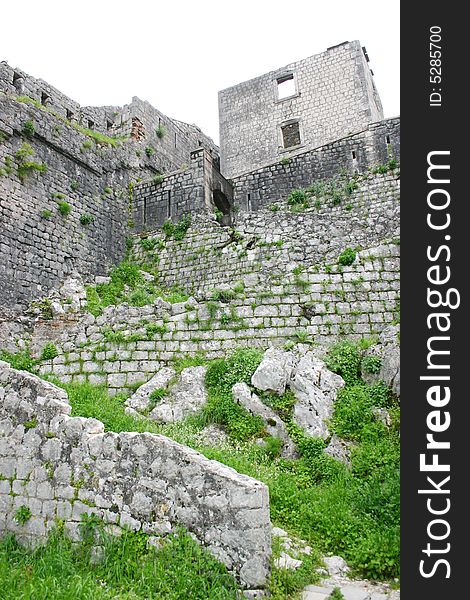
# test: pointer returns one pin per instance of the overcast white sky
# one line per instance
(178, 54)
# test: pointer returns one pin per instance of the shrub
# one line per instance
(224, 295)
(139, 297)
(182, 227)
(74, 185)
(353, 410)
(371, 364)
(64, 208)
(149, 151)
(22, 515)
(344, 359)
(86, 219)
(158, 179)
(177, 230)
(46, 213)
(49, 351)
(160, 132)
(297, 197)
(336, 594)
(149, 244)
(26, 166)
(221, 376)
(28, 129)
(347, 257)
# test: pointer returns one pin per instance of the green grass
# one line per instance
(128, 285)
(352, 512)
(130, 570)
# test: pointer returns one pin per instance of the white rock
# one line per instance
(140, 400)
(101, 280)
(274, 371)
(315, 388)
(336, 565)
(388, 350)
(186, 397)
(287, 562)
(339, 449)
(274, 425)
(147, 276)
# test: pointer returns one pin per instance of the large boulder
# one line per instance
(185, 398)
(315, 388)
(140, 400)
(387, 350)
(274, 371)
(273, 423)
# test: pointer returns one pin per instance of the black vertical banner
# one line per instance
(435, 334)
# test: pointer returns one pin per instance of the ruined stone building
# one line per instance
(82, 188)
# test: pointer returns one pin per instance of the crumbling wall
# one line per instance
(334, 95)
(357, 153)
(61, 467)
(40, 245)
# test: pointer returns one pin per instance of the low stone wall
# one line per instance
(62, 467)
(126, 345)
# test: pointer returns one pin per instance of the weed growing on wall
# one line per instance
(160, 132)
(347, 257)
(28, 129)
(129, 285)
(26, 166)
(49, 351)
(177, 230)
(22, 515)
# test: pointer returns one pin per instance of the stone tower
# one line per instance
(298, 107)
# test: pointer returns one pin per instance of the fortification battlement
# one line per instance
(303, 105)
(139, 121)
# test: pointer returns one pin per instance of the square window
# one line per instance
(290, 134)
(285, 87)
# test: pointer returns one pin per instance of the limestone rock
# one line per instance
(186, 398)
(382, 414)
(287, 562)
(339, 449)
(388, 350)
(140, 400)
(102, 280)
(74, 292)
(147, 276)
(275, 371)
(315, 388)
(213, 435)
(336, 565)
(273, 423)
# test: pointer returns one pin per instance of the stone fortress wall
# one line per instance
(40, 246)
(281, 278)
(355, 153)
(272, 277)
(331, 95)
(63, 467)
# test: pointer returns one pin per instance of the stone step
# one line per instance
(315, 592)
